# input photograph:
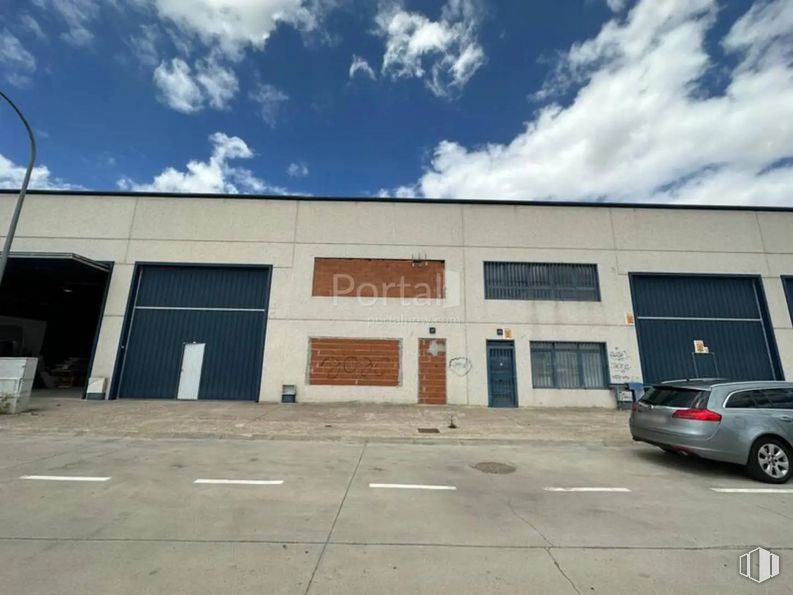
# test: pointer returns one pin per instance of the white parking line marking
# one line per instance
(753, 490)
(245, 482)
(587, 490)
(64, 478)
(410, 486)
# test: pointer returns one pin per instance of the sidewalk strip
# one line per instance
(753, 490)
(587, 490)
(409, 486)
(243, 482)
(64, 478)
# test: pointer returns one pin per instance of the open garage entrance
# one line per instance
(50, 309)
(703, 326)
(194, 331)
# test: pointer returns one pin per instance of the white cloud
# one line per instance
(218, 83)
(445, 53)
(642, 125)
(222, 29)
(144, 45)
(18, 63)
(297, 170)
(177, 86)
(765, 34)
(32, 25)
(269, 99)
(188, 92)
(11, 176)
(78, 16)
(359, 65)
(616, 5)
(214, 176)
(225, 29)
(232, 25)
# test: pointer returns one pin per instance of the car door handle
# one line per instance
(786, 418)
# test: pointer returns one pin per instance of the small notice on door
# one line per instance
(700, 347)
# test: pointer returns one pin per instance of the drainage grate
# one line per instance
(491, 467)
(429, 431)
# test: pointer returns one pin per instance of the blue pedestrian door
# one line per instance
(502, 388)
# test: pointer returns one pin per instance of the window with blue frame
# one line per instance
(569, 365)
(541, 281)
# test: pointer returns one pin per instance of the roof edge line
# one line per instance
(414, 200)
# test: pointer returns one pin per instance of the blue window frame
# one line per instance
(569, 365)
(541, 281)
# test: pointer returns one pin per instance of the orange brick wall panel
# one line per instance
(378, 277)
(432, 371)
(354, 362)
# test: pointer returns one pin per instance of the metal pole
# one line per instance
(22, 191)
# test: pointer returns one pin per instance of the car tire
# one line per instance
(770, 460)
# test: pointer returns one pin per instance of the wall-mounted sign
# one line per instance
(700, 347)
(508, 333)
(630, 319)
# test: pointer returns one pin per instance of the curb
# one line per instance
(440, 440)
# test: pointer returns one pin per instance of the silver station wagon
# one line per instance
(747, 423)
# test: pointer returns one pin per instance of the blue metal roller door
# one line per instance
(223, 307)
(728, 314)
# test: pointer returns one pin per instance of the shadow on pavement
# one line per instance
(691, 465)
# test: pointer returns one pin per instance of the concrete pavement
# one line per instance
(151, 529)
(335, 421)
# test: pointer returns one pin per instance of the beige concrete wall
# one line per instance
(289, 234)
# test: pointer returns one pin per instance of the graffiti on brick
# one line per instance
(460, 365)
(351, 366)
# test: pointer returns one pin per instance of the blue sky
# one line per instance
(673, 101)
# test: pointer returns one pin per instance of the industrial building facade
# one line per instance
(422, 301)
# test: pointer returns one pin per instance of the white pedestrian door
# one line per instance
(190, 377)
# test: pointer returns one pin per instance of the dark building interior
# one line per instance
(50, 308)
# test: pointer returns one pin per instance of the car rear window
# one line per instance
(780, 398)
(672, 396)
(768, 398)
(748, 399)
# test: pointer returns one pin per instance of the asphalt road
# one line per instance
(126, 516)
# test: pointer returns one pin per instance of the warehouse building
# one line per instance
(403, 301)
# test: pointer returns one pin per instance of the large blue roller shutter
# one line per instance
(727, 313)
(224, 307)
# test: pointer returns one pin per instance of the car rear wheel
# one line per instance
(770, 460)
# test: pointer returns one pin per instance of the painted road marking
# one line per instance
(64, 478)
(587, 490)
(243, 482)
(753, 490)
(409, 486)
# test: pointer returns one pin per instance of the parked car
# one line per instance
(747, 423)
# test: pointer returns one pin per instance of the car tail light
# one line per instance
(697, 414)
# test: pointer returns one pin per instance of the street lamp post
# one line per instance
(22, 191)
